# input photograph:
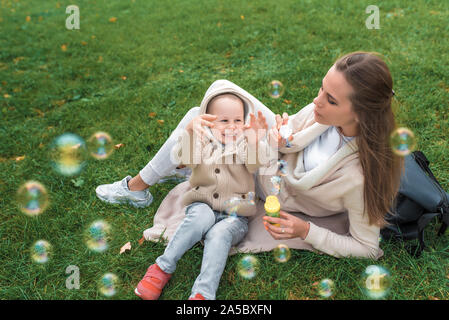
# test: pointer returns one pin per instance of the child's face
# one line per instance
(230, 118)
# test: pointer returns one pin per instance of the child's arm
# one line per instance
(257, 148)
(188, 149)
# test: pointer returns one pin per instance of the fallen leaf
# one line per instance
(39, 112)
(127, 246)
(64, 47)
(84, 43)
(100, 59)
(20, 158)
(160, 121)
(16, 60)
(28, 19)
(242, 17)
(112, 19)
(152, 114)
(141, 240)
(287, 101)
(123, 77)
(6, 96)
(60, 102)
(118, 146)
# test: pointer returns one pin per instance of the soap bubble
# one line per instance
(276, 182)
(326, 288)
(402, 141)
(285, 132)
(282, 165)
(232, 206)
(68, 154)
(248, 267)
(100, 145)
(98, 235)
(376, 282)
(108, 284)
(32, 198)
(251, 197)
(281, 253)
(41, 251)
(275, 89)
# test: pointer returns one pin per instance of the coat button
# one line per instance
(197, 188)
(243, 196)
(217, 170)
(215, 195)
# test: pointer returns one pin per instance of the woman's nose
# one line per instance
(317, 101)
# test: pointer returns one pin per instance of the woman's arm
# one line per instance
(362, 241)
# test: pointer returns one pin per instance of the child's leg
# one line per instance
(160, 165)
(219, 239)
(199, 219)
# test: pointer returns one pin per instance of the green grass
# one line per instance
(170, 52)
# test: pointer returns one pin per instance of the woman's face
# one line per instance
(332, 105)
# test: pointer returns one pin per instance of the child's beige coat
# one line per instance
(220, 173)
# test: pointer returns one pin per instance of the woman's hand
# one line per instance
(290, 226)
(197, 123)
(275, 139)
(256, 129)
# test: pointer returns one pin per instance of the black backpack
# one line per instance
(420, 199)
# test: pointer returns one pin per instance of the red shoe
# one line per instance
(198, 296)
(154, 280)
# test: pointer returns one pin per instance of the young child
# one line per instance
(221, 147)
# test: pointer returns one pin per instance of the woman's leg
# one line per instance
(161, 165)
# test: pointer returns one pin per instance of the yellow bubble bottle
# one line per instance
(272, 208)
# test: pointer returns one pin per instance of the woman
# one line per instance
(342, 175)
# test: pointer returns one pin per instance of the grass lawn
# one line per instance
(130, 58)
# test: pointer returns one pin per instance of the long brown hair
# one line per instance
(371, 100)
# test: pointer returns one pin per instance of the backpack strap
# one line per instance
(423, 221)
(444, 221)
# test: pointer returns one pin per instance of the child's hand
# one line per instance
(197, 123)
(256, 129)
(274, 137)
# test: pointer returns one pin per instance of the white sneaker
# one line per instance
(118, 192)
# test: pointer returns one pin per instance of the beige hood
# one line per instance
(225, 86)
